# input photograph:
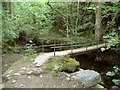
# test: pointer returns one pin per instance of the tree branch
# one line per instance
(55, 10)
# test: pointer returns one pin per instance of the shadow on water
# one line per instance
(101, 62)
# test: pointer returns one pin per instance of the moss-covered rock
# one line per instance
(59, 64)
(69, 64)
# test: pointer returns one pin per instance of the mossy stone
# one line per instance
(70, 65)
(60, 64)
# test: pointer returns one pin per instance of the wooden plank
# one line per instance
(52, 45)
(64, 46)
(59, 46)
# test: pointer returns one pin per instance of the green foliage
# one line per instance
(110, 23)
(111, 40)
(14, 49)
(116, 73)
(33, 21)
(110, 13)
(109, 73)
(29, 50)
(116, 82)
(28, 17)
(8, 29)
(39, 20)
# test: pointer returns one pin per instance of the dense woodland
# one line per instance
(27, 26)
(80, 22)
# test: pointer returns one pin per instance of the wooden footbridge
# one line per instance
(39, 60)
(83, 47)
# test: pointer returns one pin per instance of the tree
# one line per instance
(0, 24)
(98, 21)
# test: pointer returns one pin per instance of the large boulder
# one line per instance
(87, 77)
(60, 64)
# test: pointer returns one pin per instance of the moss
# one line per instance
(59, 64)
(70, 64)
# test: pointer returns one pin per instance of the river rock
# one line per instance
(68, 78)
(37, 71)
(8, 77)
(16, 74)
(1, 86)
(23, 72)
(29, 73)
(115, 88)
(21, 85)
(41, 76)
(24, 68)
(87, 77)
(13, 81)
(97, 86)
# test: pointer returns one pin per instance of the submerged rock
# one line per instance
(87, 77)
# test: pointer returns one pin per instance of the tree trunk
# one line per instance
(68, 21)
(0, 25)
(98, 22)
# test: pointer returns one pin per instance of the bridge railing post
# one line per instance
(86, 43)
(86, 47)
(61, 41)
(97, 42)
(72, 46)
(42, 45)
(54, 47)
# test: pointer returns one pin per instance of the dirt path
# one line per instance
(8, 59)
(19, 76)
